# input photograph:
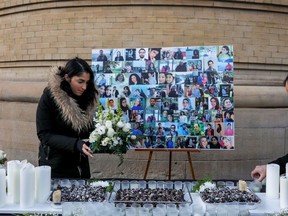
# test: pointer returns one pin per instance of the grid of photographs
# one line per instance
(174, 97)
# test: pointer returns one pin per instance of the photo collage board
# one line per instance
(174, 97)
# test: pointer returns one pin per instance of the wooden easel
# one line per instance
(170, 159)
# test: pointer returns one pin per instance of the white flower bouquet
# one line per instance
(111, 134)
(3, 158)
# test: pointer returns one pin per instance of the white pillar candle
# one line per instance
(272, 180)
(13, 180)
(2, 187)
(42, 183)
(283, 192)
(27, 186)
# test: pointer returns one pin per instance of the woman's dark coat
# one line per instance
(60, 125)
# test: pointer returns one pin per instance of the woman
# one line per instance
(151, 67)
(219, 131)
(161, 78)
(108, 91)
(148, 142)
(164, 116)
(170, 118)
(137, 105)
(134, 79)
(209, 130)
(214, 144)
(186, 104)
(215, 105)
(224, 55)
(227, 143)
(102, 90)
(124, 105)
(120, 79)
(182, 117)
(119, 57)
(126, 91)
(64, 120)
(229, 131)
(227, 104)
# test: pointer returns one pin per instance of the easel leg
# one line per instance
(148, 164)
(170, 159)
(191, 166)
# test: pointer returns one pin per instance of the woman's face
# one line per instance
(162, 78)
(108, 91)
(120, 78)
(79, 83)
(165, 113)
(169, 117)
(227, 143)
(133, 79)
(227, 104)
(169, 78)
(214, 141)
(137, 102)
(102, 90)
(128, 68)
(185, 104)
(124, 103)
(213, 103)
(229, 126)
(153, 54)
(138, 117)
(224, 50)
(196, 127)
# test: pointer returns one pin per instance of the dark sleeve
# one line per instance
(281, 162)
(44, 123)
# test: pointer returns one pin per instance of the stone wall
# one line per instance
(35, 35)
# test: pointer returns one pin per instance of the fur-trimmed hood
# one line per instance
(80, 120)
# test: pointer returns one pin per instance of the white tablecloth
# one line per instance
(267, 205)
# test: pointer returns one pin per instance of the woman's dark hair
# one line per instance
(106, 88)
(128, 91)
(219, 128)
(75, 67)
(117, 77)
(124, 108)
(137, 78)
(217, 107)
(227, 48)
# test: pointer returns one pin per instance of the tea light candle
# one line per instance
(2, 187)
(272, 180)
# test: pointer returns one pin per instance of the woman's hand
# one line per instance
(259, 172)
(86, 150)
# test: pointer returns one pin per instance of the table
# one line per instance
(267, 205)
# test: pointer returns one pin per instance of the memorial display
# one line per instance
(173, 97)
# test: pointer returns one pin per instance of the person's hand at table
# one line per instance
(259, 172)
(83, 147)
